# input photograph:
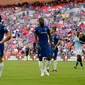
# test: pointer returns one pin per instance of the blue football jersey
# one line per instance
(2, 31)
(55, 38)
(42, 34)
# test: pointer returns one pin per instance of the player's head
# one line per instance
(0, 18)
(82, 37)
(77, 33)
(41, 22)
(53, 30)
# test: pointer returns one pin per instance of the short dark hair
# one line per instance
(54, 28)
(40, 18)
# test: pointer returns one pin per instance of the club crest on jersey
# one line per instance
(56, 36)
(39, 32)
(45, 29)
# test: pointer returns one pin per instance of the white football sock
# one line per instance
(1, 68)
(55, 64)
(49, 63)
(41, 66)
(47, 66)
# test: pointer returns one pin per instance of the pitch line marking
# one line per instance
(41, 77)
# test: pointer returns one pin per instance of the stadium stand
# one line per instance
(21, 20)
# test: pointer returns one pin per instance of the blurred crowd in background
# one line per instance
(22, 19)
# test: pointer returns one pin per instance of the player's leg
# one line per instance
(27, 53)
(55, 60)
(1, 61)
(81, 64)
(77, 62)
(47, 65)
(55, 64)
(41, 66)
(1, 66)
(40, 56)
(80, 60)
(48, 59)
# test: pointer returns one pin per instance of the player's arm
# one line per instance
(59, 42)
(71, 45)
(74, 40)
(8, 37)
(50, 37)
(36, 39)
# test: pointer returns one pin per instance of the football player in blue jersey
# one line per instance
(42, 35)
(3, 31)
(55, 42)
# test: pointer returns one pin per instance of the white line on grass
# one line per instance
(21, 78)
(42, 77)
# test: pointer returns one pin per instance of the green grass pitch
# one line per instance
(28, 73)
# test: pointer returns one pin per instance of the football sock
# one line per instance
(1, 68)
(41, 65)
(47, 66)
(55, 64)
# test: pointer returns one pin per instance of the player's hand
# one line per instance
(1, 42)
(48, 43)
(37, 46)
(54, 47)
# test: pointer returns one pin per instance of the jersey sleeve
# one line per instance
(48, 30)
(57, 37)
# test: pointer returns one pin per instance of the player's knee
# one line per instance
(40, 59)
(54, 58)
(49, 58)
